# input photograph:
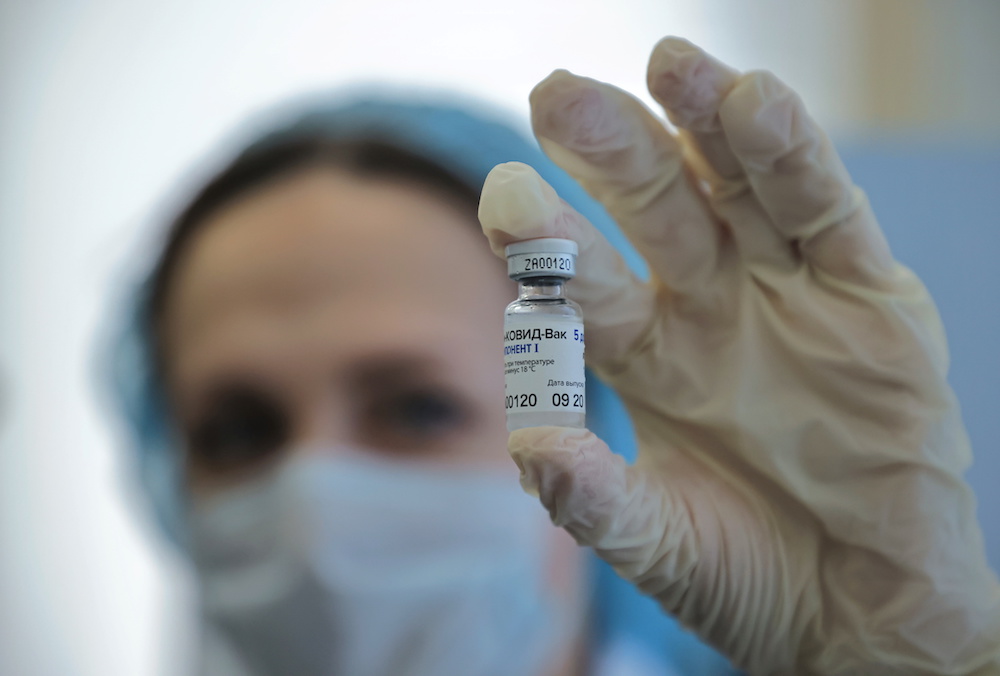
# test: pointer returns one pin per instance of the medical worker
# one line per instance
(313, 377)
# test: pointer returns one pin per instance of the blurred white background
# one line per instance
(107, 106)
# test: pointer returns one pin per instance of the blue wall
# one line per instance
(940, 209)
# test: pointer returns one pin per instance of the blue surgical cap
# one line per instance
(459, 137)
(469, 140)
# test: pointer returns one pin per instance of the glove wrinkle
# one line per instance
(628, 160)
(798, 498)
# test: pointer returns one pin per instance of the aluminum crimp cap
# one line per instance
(545, 257)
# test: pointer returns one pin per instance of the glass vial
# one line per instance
(543, 338)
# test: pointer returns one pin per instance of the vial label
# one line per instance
(543, 366)
(520, 265)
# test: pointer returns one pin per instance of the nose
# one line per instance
(324, 424)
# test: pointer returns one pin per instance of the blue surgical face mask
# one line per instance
(342, 565)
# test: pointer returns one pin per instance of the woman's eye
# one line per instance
(240, 428)
(418, 416)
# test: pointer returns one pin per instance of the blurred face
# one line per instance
(324, 312)
(327, 310)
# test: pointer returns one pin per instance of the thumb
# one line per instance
(678, 533)
(627, 515)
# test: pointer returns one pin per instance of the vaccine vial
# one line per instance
(543, 337)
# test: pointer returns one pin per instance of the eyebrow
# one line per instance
(219, 389)
(368, 375)
(377, 372)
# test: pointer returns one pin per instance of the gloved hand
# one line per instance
(797, 499)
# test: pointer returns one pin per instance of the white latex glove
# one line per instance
(798, 498)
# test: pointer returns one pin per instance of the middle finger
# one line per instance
(628, 160)
(691, 86)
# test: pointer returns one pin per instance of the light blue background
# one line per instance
(940, 208)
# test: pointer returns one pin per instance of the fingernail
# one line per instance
(571, 111)
(689, 83)
(528, 478)
(517, 202)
